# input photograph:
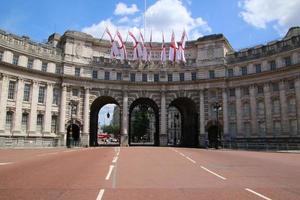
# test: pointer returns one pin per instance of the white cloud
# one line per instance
(163, 16)
(123, 9)
(123, 20)
(281, 14)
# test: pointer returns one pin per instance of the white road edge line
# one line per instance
(256, 193)
(115, 159)
(111, 167)
(190, 159)
(221, 177)
(6, 163)
(182, 154)
(100, 194)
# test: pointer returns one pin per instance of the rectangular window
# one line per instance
(1, 55)
(106, 76)
(287, 61)
(247, 128)
(132, 77)
(211, 74)
(75, 92)
(232, 92)
(232, 110)
(170, 77)
(232, 128)
(275, 106)
(119, 76)
(244, 71)
(26, 92)
(260, 89)
(95, 74)
(24, 122)
(181, 76)
(277, 127)
(275, 87)
(30, 63)
(11, 90)
(144, 77)
(77, 71)
(9, 120)
(293, 126)
(258, 68)
(262, 127)
(291, 85)
(15, 60)
(54, 124)
(245, 91)
(39, 123)
(194, 76)
(58, 69)
(42, 91)
(55, 100)
(230, 72)
(44, 67)
(272, 64)
(156, 77)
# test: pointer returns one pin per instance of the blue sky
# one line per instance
(245, 23)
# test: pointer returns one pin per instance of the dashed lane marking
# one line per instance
(190, 159)
(257, 194)
(115, 159)
(221, 177)
(182, 154)
(100, 194)
(111, 167)
(6, 163)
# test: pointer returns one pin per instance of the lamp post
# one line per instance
(217, 107)
(72, 105)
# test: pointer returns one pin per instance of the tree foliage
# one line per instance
(112, 129)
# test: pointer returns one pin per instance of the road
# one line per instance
(147, 173)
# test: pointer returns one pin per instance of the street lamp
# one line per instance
(217, 107)
(72, 105)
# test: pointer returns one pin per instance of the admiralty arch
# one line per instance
(246, 96)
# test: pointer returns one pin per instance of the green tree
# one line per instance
(140, 122)
(112, 129)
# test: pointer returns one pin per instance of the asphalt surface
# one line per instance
(147, 173)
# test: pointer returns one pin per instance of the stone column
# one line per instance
(297, 91)
(253, 108)
(62, 112)
(238, 111)
(163, 119)
(202, 119)
(48, 114)
(225, 111)
(3, 102)
(124, 136)
(268, 107)
(33, 108)
(18, 113)
(86, 116)
(284, 108)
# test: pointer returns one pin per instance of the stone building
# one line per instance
(258, 89)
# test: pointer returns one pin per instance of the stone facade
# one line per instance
(258, 88)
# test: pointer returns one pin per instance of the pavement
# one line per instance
(147, 173)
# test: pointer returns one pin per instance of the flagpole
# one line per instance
(145, 17)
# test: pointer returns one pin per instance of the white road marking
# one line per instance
(256, 193)
(6, 163)
(111, 167)
(115, 159)
(100, 194)
(190, 159)
(221, 177)
(182, 154)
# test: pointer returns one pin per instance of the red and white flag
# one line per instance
(149, 55)
(181, 47)
(173, 48)
(109, 34)
(136, 54)
(122, 48)
(114, 51)
(143, 47)
(163, 55)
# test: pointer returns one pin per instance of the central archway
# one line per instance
(147, 133)
(188, 122)
(94, 116)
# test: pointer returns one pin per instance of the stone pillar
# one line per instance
(33, 108)
(202, 119)
(268, 107)
(124, 136)
(18, 113)
(238, 111)
(86, 117)
(297, 91)
(284, 109)
(62, 113)
(3, 102)
(163, 120)
(225, 111)
(48, 113)
(253, 108)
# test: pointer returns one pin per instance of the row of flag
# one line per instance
(143, 52)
